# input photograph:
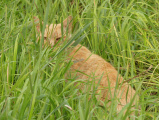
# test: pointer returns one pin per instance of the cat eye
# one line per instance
(58, 39)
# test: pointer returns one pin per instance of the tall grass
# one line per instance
(32, 78)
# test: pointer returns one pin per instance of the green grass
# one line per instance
(32, 78)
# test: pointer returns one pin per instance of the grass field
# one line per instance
(32, 78)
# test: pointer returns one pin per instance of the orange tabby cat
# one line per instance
(91, 65)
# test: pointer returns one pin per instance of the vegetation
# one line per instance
(32, 78)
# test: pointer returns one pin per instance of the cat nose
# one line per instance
(52, 43)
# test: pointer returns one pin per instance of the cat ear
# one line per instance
(37, 23)
(68, 23)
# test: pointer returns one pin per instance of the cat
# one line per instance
(91, 65)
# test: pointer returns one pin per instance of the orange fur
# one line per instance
(92, 64)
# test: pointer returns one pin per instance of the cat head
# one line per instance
(53, 33)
